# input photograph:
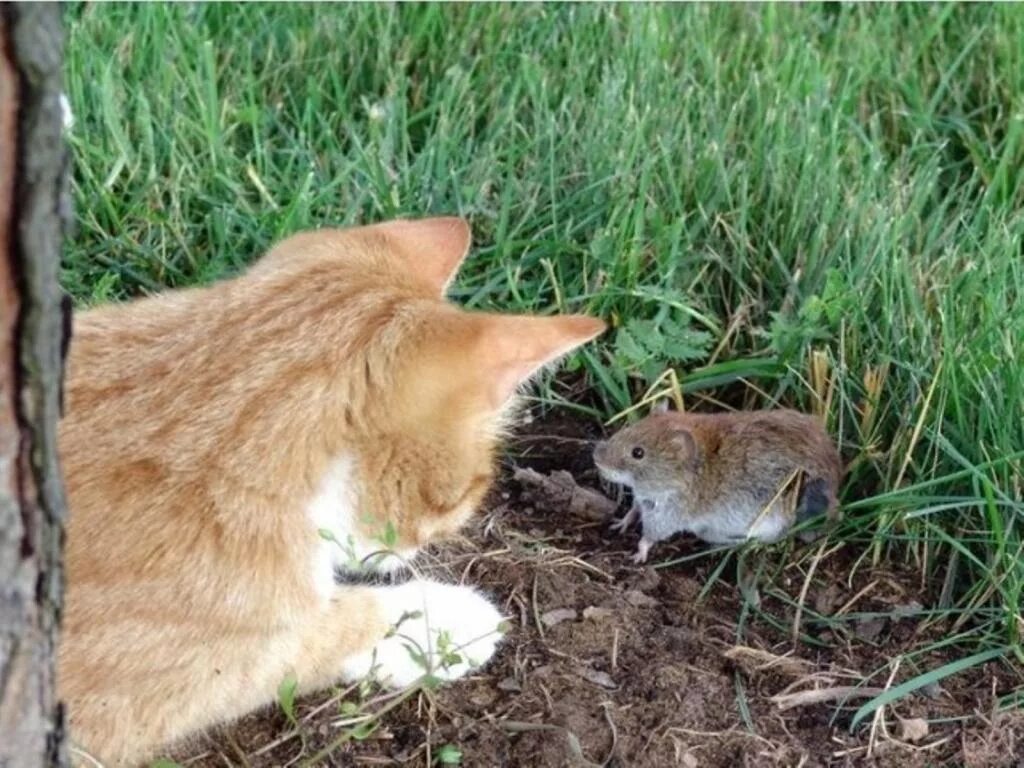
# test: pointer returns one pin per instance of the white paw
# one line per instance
(439, 630)
(642, 551)
(619, 526)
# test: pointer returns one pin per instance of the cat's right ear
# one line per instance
(433, 249)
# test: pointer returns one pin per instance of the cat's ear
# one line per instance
(513, 348)
(432, 248)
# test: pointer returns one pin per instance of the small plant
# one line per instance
(363, 706)
(448, 754)
(361, 717)
(388, 538)
(648, 346)
(286, 696)
(816, 320)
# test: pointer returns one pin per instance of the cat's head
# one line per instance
(425, 389)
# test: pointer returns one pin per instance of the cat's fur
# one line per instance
(217, 438)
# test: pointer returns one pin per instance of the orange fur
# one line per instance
(210, 432)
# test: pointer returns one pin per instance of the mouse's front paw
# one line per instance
(623, 525)
(438, 630)
(642, 551)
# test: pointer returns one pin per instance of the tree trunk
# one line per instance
(32, 335)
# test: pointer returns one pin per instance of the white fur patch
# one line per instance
(770, 527)
(445, 630)
(333, 510)
(67, 118)
(620, 476)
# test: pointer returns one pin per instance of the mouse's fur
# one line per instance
(227, 448)
(715, 475)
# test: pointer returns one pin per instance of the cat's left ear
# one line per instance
(511, 349)
(433, 248)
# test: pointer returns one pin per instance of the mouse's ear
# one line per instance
(682, 438)
(660, 406)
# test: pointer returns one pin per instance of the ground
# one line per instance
(612, 664)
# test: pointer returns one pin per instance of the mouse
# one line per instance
(725, 477)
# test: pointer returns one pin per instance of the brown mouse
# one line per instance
(726, 477)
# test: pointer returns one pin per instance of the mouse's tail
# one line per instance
(814, 500)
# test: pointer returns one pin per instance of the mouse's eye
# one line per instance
(638, 452)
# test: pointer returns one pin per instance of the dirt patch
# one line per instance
(689, 665)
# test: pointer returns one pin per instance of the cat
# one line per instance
(227, 449)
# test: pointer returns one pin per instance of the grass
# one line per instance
(815, 205)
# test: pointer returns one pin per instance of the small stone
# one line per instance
(931, 691)
(557, 616)
(510, 684)
(597, 677)
(648, 580)
(913, 729)
(638, 599)
(868, 629)
(596, 613)
(482, 699)
(907, 610)
(827, 600)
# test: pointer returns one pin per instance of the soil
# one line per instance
(610, 664)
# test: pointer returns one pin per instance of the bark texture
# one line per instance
(32, 334)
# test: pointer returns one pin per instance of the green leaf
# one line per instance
(911, 685)
(451, 659)
(431, 682)
(163, 762)
(628, 348)
(811, 311)
(326, 534)
(687, 345)
(348, 708)
(363, 731)
(408, 616)
(286, 696)
(449, 754)
(646, 333)
(418, 657)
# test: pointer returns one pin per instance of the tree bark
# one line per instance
(33, 332)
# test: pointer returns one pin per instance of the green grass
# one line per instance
(746, 192)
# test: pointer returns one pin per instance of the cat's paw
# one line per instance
(440, 631)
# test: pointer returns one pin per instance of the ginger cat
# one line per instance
(227, 448)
